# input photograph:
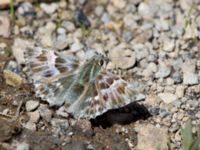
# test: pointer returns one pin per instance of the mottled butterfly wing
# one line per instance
(87, 90)
(53, 74)
(107, 92)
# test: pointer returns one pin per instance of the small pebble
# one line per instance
(76, 46)
(31, 105)
(49, 8)
(5, 27)
(45, 112)
(167, 97)
(120, 4)
(124, 54)
(12, 78)
(31, 126)
(34, 116)
(99, 10)
(180, 91)
(163, 71)
(23, 146)
(62, 111)
(168, 45)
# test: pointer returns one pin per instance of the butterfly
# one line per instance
(85, 87)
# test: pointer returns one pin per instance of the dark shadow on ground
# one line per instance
(124, 115)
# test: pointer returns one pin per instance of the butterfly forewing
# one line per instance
(52, 74)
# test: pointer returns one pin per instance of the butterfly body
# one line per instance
(87, 89)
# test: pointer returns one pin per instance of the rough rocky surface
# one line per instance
(155, 43)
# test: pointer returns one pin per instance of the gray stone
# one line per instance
(189, 75)
(197, 114)
(151, 99)
(76, 145)
(59, 126)
(25, 9)
(13, 66)
(180, 91)
(77, 45)
(60, 123)
(34, 116)
(127, 36)
(145, 11)
(119, 3)
(169, 81)
(45, 112)
(60, 41)
(5, 27)
(62, 111)
(152, 58)
(177, 136)
(61, 30)
(162, 25)
(31, 105)
(27, 31)
(22, 146)
(49, 8)
(186, 5)
(124, 54)
(105, 18)
(198, 21)
(177, 30)
(45, 34)
(190, 78)
(159, 138)
(19, 49)
(99, 10)
(167, 97)
(139, 97)
(129, 21)
(169, 89)
(191, 32)
(177, 63)
(84, 126)
(69, 26)
(168, 45)
(90, 147)
(163, 70)
(30, 125)
(150, 70)
(82, 2)
(176, 104)
(177, 77)
(165, 9)
(141, 51)
(189, 66)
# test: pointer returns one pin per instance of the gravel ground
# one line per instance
(158, 45)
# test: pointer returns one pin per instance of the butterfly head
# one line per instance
(91, 68)
(99, 60)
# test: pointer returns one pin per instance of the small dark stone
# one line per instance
(127, 36)
(81, 19)
(121, 146)
(76, 145)
(177, 77)
(8, 130)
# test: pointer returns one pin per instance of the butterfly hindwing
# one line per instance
(107, 92)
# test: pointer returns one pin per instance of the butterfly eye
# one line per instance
(101, 62)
